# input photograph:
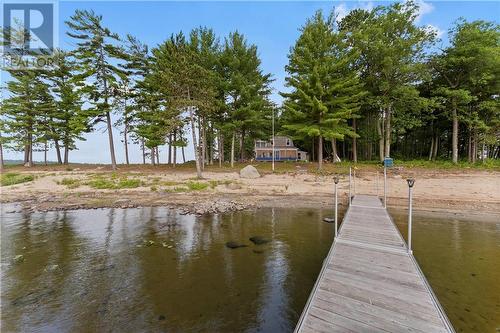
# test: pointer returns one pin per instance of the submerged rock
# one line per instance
(249, 172)
(52, 268)
(18, 259)
(235, 245)
(328, 220)
(161, 317)
(257, 240)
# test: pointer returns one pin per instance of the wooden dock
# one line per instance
(369, 282)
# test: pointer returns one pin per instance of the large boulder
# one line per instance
(249, 172)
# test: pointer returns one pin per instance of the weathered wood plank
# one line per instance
(369, 282)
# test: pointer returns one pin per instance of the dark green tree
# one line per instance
(97, 54)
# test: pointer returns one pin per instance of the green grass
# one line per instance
(12, 178)
(70, 182)
(114, 183)
(196, 186)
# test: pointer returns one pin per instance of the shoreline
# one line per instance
(474, 192)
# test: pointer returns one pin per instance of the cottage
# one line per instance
(283, 148)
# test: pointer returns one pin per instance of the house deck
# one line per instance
(369, 282)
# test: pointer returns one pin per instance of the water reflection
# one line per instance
(151, 269)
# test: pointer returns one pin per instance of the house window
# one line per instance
(288, 142)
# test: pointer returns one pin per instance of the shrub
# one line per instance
(70, 182)
(196, 186)
(8, 179)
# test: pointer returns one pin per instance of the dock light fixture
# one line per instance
(411, 182)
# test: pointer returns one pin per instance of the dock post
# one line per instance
(336, 181)
(411, 182)
(385, 186)
(354, 181)
(350, 176)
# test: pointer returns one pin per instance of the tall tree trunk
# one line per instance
(125, 140)
(183, 155)
(313, 149)
(232, 149)
(380, 132)
(219, 143)
(30, 149)
(388, 116)
(320, 152)
(211, 146)
(196, 148)
(26, 153)
(334, 150)
(204, 148)
(436, 147)
(66, 154)
(1, 154)
(354, 143)
(431, 150)
(474, 147)
(143, 151)
(152, 156)
(110, 137)
(157, 155)
(175, 147)
(242, 145)
(58, 151)
(169, 149)
(454, 136)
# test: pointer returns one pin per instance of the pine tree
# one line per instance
(246, 90)
(325, 90)
(68, 120)
(97, 53)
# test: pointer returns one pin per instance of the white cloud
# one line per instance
(341, 11)
(424, 8)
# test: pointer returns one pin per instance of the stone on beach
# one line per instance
(249, 172)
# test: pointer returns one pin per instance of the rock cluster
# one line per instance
(214, 207)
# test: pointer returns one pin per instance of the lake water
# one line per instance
(154, 270)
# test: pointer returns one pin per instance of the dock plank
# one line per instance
(369, 282)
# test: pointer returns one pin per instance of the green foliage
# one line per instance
(116, 183)
(70, 182)
(196, 186)
(326, 91)
(11, 178)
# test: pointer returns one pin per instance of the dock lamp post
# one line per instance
(350, 176)
(273, 141)
(411, 182)
(336, 181)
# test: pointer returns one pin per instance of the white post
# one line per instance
(350, 201)
(385, 186)
(273, 140)
(354, 182)
(411, 182)
(336, 180)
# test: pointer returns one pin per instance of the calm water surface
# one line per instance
(153, 270)
(110, 277)
(459, 256)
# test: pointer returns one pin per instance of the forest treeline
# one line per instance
(369, 85)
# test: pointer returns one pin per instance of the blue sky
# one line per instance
(272, 26)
